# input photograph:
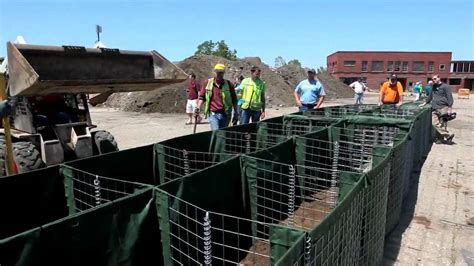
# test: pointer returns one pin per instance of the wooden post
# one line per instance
(10, 169)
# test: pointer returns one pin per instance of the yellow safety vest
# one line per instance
(252, 91)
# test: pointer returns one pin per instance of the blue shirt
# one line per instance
(310, 92)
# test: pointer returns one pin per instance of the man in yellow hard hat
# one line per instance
(219, 98)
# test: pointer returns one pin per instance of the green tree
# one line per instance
(321, 70)
(219, 48)
(295, 62)
(279, 62)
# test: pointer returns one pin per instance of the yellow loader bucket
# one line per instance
(41, 70)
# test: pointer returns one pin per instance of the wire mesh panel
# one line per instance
(336, 241)
(234, 142)
(174, 163)
(85, 190)
(201, 237)
(296, 196)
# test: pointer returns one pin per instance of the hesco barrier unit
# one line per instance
(318, 188)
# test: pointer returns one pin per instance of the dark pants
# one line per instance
(246, 114)
(305, 107)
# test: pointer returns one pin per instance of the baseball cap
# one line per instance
(219, 68)
(311, 70)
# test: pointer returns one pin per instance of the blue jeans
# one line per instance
(305, 107)
(246, 114)
(358, 98)
(218, 120)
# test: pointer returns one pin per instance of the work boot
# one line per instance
(449, 139)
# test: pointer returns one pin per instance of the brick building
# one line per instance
(410, 67)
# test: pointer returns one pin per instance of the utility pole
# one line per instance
(98, 30)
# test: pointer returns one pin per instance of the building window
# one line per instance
(377, 66)
(405, 66)
(430, 66)
(397, 66)
(454, 81)
(418, 66)
(350, 63)
(364, 66)
(442, 66)
(390, 66)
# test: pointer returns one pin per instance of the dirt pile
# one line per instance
(171, 99)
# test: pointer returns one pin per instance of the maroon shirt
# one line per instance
(216, 104)
(193, 90)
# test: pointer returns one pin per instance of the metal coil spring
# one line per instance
(334, 174)
(307, 253)
(247, 143)
(186, 162)
(207, 240)
(291, 195)
(97, 194)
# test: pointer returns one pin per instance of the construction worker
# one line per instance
(253, 97)
(391, 92)
(309, 93)
(219, 97)
(5, 108)
(441, 100)
(191, 103)
(359, 88)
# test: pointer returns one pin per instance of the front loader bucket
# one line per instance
(41, 70)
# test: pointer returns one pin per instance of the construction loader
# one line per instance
(47, 88)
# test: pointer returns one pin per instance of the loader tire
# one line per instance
(104, 142)
(3, 171)
(27, 157)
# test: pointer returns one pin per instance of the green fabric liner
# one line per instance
(220, 140)
(123, 231)
(134, 165)
(217, 189)
(30, 200)
(117, 233)
(287, 256)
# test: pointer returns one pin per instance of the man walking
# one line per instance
(391, 92)
(191, 104)
(441, 100)
(359, 88)
(309, 93)
(253, 97)
(219, 98)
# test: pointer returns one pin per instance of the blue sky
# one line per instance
(306, 30)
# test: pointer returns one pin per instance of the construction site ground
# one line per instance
(437, 223)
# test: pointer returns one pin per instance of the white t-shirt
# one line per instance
(357, 86)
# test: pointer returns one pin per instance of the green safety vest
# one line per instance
(225, 95)
(252, 94)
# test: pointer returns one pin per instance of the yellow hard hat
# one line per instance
(219, 67)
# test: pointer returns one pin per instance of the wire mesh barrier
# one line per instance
(174, 163)
(207, 222)
(322, 187)
(86, 191)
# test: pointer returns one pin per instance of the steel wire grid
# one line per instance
(89, 190)
(295, 127)
(181, 162)
(201, 237)
(339, 243)
(245, 142)
(358, 157)
(341, 111)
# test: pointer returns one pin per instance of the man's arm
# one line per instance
(381, 94)
(297, 95)
(449, 97)
(233, 96)
(262, 115)
(400, 93)
(201, 95)
(320, 101)
(322, 94)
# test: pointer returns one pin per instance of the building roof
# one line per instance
(409, 52)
